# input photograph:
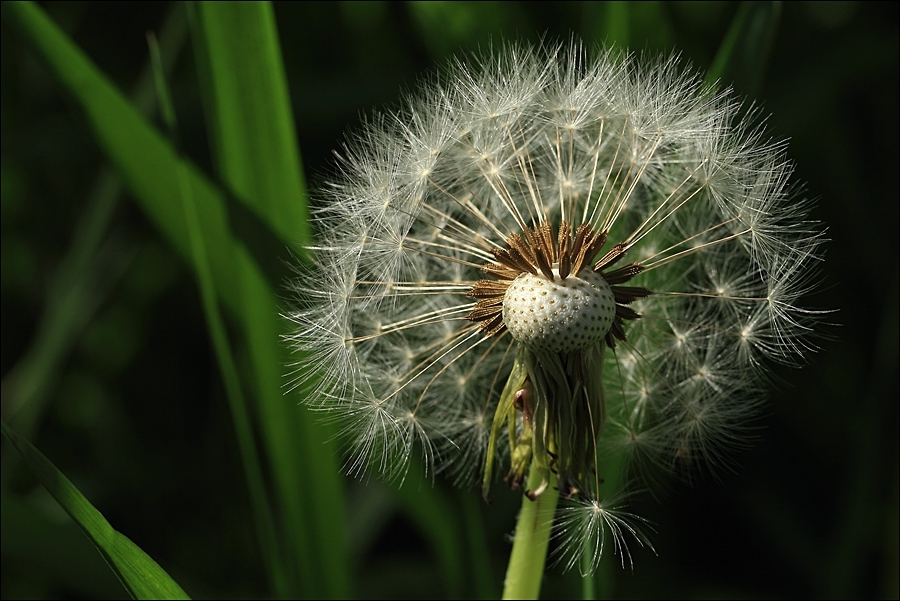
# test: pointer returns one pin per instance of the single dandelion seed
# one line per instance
(555, 263)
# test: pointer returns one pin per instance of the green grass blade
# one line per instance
(258, 159)
(145, 159)
(264, 520)
(89, 270)
(743, 57)
(58, 549)
(150, 168)
(479, 561)
(433, 516)
(253, 126)
(606, 23)
(141, 576)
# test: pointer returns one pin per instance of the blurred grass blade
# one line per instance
(150, 168)
(743, 57)
(264, 520)
(479, 559)
(617, 24)
(141, 576)
(143, 157)
(249, 112)
(606, 23)
(432, 514)
(93, 264)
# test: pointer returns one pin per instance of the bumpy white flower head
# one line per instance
(557, 261)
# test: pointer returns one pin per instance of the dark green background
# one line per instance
(135, 413)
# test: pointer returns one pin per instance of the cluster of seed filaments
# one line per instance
(549, 296)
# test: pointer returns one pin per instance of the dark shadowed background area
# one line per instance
(129, 401)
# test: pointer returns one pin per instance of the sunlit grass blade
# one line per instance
(253, 126)
(743, 57)
(245, 94)
(139, 574)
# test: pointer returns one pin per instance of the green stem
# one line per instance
(588, 590)
(529, 552)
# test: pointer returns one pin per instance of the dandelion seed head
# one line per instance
(555, 260)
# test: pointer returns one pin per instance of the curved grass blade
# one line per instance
(56, 549)
(139, 574)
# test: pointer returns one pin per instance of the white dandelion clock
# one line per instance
(546, 258)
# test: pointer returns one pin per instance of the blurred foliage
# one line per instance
(104, 333)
